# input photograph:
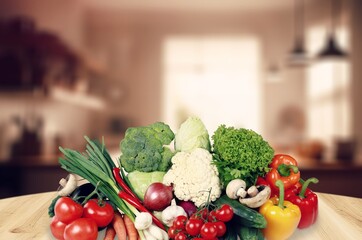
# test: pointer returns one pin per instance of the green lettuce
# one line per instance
(240, 153)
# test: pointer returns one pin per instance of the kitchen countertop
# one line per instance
(26, 217)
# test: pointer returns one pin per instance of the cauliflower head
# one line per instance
(193, 175)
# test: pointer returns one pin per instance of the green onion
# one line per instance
(95, 165)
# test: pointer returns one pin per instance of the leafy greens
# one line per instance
(240, 153)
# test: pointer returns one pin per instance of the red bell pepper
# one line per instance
(306, 200)
(262, 181)
(284, 168)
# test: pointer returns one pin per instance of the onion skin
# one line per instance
(158, 196)
(188, 206)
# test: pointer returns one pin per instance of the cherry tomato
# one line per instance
(81, 229)
(208, 231)
(102, 213)
(225, 213)
(201, 214)
(172, 231)
(180, 236)
(57, 228)
(67, 210)
(180, 222)
(220, 228)
(212, 216)
(193, 226)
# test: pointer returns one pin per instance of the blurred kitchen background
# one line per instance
(288, 69)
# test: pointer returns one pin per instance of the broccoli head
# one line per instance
(143, 148)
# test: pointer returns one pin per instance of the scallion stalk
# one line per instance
(96, 165)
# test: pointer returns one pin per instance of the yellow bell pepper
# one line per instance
(282, 216)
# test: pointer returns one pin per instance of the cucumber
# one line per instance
(243, 215)
(249, 233)
(231, 233)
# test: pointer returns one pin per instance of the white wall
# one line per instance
(145, 32)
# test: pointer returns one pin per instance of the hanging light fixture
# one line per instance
(298, 56)
(332, 49)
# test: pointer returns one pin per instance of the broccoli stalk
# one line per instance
(143, 148)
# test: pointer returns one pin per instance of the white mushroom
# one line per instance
(252, 191)
(259, 199)
(67, 185)
(236, 189)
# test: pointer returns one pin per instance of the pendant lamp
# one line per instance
(332, 49)
(298, 56)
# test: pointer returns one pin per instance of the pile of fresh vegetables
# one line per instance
(180, 186)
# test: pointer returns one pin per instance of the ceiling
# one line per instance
(194, 5)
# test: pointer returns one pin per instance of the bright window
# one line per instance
(215, 78)
(328, 91)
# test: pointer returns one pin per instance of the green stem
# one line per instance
(95, 191)
(301, 181)
(280, 185)
(305, 185)
(284, 169)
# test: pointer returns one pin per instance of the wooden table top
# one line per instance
(26, 217)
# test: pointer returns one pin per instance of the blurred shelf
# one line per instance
(31, 161)
(330, 166)
(77, 98)
(56, 94)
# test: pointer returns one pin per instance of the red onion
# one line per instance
(188, 206)
(158, 196)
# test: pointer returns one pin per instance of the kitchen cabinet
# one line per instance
(32, 177)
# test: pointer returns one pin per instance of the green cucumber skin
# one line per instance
(231, 233)
(248, 233)
(244, 216)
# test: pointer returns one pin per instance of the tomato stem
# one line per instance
(95, 191)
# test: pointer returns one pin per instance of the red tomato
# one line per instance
(212, 216)
(193, 226)
(225, 213)
(201, 214)
(180, 222)
(220, 228)
(57, 228)
(81, 229)
(208, 231)
(172, 231)
(67, 210)
(180, 236)
(101, 214)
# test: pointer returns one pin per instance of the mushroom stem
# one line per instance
(262, 194)
(236, 188)
(241, 193)
(63, 182)
(253, 191)
(67, 186)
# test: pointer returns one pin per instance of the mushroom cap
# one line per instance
(233, 187)
(259, 199)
